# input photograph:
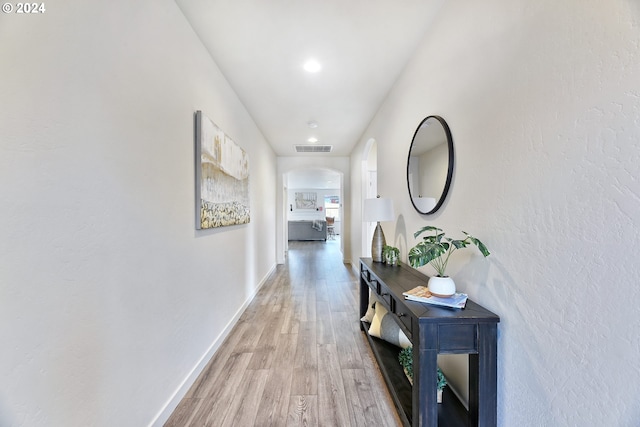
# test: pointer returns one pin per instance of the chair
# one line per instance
(331, 229)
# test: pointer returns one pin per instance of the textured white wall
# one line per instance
(543, 100)
(109, 297)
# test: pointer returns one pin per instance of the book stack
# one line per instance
(422, 294)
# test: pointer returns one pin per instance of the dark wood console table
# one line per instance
(432, 330)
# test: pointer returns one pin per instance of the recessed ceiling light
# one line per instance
(312, 66)
(312, 140)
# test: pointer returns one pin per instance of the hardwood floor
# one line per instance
(296, 357)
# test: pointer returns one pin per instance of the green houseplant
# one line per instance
(405, 357)
(435, 249)
(391, 255)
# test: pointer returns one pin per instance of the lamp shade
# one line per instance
(378, 209)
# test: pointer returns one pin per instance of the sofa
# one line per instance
(308, 230)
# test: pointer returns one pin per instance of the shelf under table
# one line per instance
(451, 412)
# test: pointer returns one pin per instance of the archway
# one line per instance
(369, 169)
(318, 182)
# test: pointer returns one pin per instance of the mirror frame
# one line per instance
(447, 183)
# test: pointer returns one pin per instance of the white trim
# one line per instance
(355, 267)
(163, 415)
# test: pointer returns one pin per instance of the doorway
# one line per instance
(333, 217)
(369, 190)
(323, 189)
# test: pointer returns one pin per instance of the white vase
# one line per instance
(442, 286)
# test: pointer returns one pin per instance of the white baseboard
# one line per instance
(356, 268)
(161, 418)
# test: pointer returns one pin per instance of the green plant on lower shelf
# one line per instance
(406, 360)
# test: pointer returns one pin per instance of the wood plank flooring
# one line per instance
(296, 357)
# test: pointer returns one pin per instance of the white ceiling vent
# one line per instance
(313, 148)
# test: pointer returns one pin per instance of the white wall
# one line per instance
(543, 103)
(109, 297)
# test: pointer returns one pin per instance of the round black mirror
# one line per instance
(430, 165)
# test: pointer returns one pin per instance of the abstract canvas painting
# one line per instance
(306, 200)
(222, 177)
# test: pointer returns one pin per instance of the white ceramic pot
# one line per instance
(442, 286)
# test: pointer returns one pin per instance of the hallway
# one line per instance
(296, 357)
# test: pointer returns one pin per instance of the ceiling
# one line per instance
(261, 46)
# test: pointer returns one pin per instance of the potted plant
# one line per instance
(405, 357)
(391, 255)
(435, 249)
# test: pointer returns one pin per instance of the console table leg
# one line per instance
(425, 371)
(483, 379)
(364, 298)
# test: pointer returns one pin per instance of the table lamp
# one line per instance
(376, 210)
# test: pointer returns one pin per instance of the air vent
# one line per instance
(313, 148)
